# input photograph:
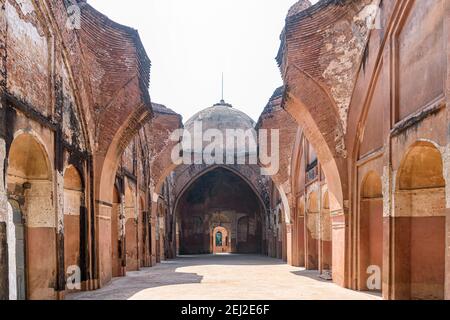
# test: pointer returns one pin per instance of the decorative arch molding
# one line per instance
(274, 117)
(315, 112)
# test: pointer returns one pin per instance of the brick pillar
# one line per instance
(152, 227)
(447, 152)
(289, 244)
(339, 230)
(122, 230)
(446, 165)
(4, 290)
(61, 272)
(300, 240)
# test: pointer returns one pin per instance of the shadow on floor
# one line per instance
(166, 274)
(228, 260)
(123, 288)
(312, 274)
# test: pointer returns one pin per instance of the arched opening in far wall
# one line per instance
(370, 257)
(420, 224)
(29, 184)
(220, 240)
(219, 198)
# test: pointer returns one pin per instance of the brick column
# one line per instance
(61, 271)
(446, 165)
(152, 227)
(289, 244)
(122, 241)
(4, 291)
(447, 152)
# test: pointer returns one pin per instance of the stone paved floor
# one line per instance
(222, 277)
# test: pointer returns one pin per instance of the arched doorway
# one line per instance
(245, 241)
(219, 198)
(370, 233)
(73, 201)
(420, 225)
(221, 240)
(29, 183)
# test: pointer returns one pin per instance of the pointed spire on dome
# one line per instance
(222, 101)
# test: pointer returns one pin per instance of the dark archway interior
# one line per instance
(219, 198)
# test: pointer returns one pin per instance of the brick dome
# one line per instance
(222, 116)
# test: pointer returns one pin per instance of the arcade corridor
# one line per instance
(222, 277)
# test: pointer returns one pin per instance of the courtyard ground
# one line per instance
(222, 277)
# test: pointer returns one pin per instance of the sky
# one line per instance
(191, 42)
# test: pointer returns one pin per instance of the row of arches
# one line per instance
(33, 221)
(409, 256)
(399, 226)
(129, 231)
(48, 230)
(318, 233)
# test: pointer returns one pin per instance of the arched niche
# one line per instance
(420, 224)
(29, 182)
(370, 233)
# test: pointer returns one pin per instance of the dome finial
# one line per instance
(222, 100)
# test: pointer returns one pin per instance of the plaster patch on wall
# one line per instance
(155, 197)
(60, 201)
(420, 203)
(72, 202)
(386, 189)
(39, 206)
(325, 226)
(26, 6)
(347, 43)
(3, 198)
(340, 144)
(28, 60)
(285, 201)
(11, 239)
(121, 224)
(446, 167)
(312, 223)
